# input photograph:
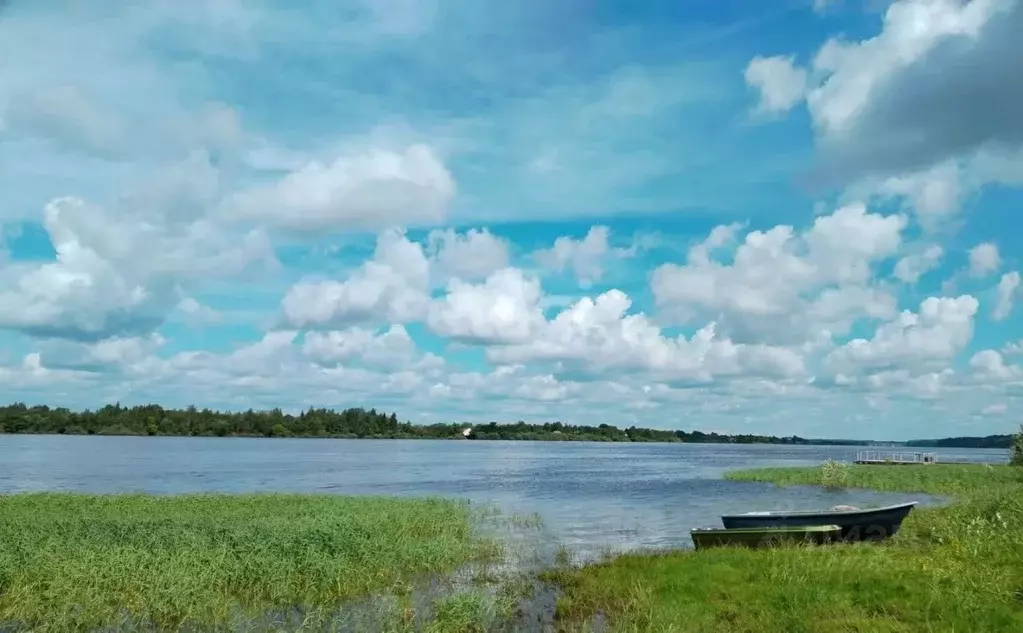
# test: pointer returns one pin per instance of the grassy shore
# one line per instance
(954, 568)
(78, 562)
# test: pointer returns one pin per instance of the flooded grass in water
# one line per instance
(72, 562)
(265, 562)
(955, 567)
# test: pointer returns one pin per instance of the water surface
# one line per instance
(592, 497)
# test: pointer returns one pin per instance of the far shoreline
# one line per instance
(153, 420)
(566, 439)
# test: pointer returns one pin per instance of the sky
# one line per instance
(799, 217)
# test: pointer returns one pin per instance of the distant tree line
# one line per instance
(152, 419)
(558, 431)
(988, 441)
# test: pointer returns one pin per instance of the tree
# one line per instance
(1016, 458)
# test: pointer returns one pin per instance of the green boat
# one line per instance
(764, 537)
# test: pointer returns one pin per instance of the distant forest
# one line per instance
(362, 423)
(988, 441)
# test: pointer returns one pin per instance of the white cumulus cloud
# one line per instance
(375, 188)
(922, 341)
(392, 286)
(887, 109)
(780, 82)
(115, 270)
(586, 257)
(470, 256)
(781, 284)
(984, 259)
(597, 335)
(1006, 291)
(911, 267)
(503, 309)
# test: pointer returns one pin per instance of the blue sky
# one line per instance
(797, 217)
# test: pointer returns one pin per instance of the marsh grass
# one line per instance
(834, 474)
(957, 567)
(1016, 451)
(71, 562)
(960, 480)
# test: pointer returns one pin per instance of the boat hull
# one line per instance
(764, 537)
(856, 525)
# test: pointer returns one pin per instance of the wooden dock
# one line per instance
(895, 457)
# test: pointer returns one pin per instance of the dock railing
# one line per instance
(895, 457)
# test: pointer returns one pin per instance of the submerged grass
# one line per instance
(953, 568)
(71, 562)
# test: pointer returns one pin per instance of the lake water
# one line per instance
(592, 497)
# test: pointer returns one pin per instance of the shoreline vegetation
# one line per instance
(359, 423)
(955, 567)
(76, 562)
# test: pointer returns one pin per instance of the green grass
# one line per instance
(834, 474)
(962, 480)
(954, 568)
(77, 562)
